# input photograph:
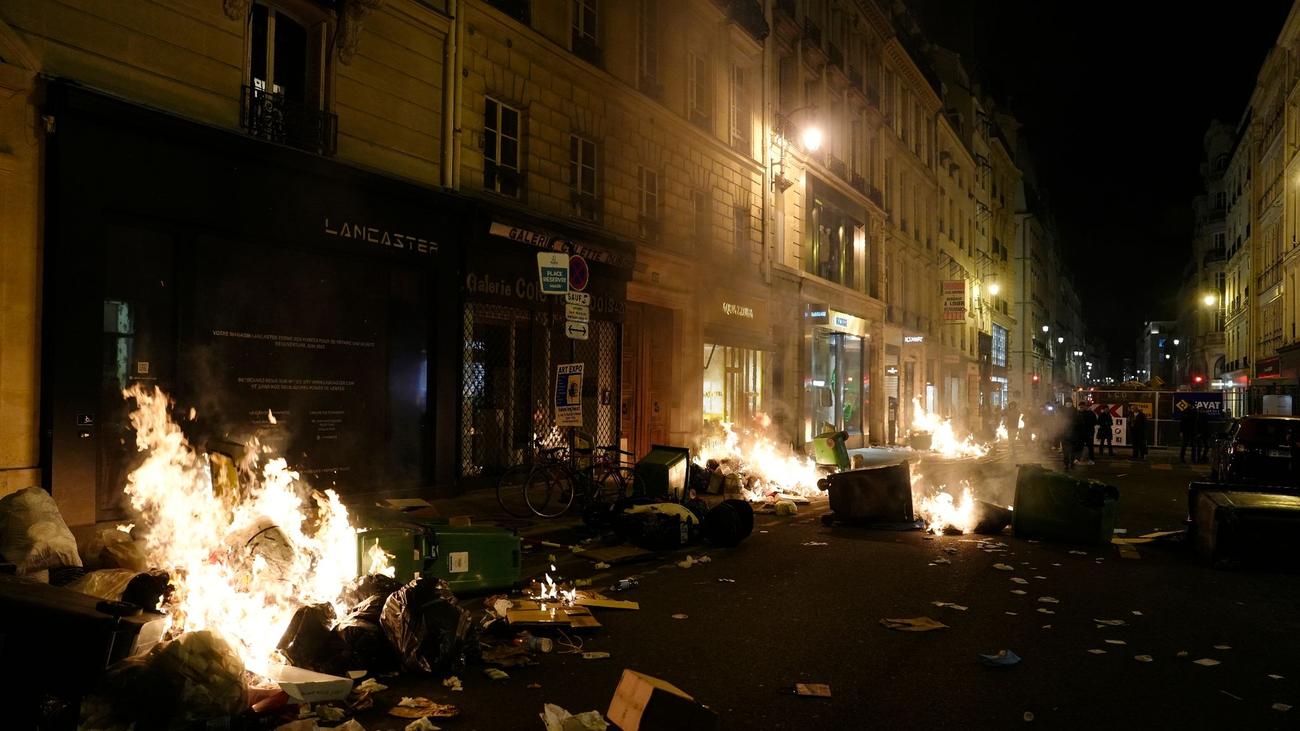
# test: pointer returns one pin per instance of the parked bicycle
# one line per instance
(576, 472)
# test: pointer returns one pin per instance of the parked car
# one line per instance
(1261, 449)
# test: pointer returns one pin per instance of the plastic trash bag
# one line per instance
(33, 535)
(188, 681)
(429, 629)
(365, 587)
(364, 644)
(309, 641)
(143, 589)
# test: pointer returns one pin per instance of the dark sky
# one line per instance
(1115, 98)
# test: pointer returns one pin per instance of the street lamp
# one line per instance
(1060, 339)
(994, 288)
(1176, 341)
(1209, 300)
(1046, 328)
(810, 138)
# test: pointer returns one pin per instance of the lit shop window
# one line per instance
(733, 384)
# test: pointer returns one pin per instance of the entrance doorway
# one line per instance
(647, 376)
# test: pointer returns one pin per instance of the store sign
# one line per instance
(1269, 367)
(568, 394)
(733, 310)
(553, 270)
(542, 240)
(380, 237)
(1210, 402)
(914, 338)
(954, 300)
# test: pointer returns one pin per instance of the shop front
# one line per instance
(837, 385)
(277, 294)
(514, 337)
(737, 356)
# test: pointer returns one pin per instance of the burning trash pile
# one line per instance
(942, 436)
(751, 464)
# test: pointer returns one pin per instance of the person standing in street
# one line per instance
(1106, 431)
(1090, 431)
(1137, 434)
(1187, 430)
(1070, 430)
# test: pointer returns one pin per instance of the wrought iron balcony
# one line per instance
(277, 118)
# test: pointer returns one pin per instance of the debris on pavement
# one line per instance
(680, 616)
(422, 708)
(453, 684)
(690, 561)
(815, 543)
(558, 719)
(1116, 642)
(1029, 716)
(726, 581)
(786, 507)
(1127, 551)
(1003, 567)
(941, 560)
(1208, 662)
(950, 605)
(599, 565)
(950, 549)
(1078, 553)
(1019, 580)
(1232, 695)
(1223, 647)
(496, 674)
(1049, 600)
(1019, 592)
(624, 584)
(913, 624)
(640, 697)
(1276, 677)
(421, 724)
(595, 655)
(1000, 659)
(602, 602)
(1045, 610)
(815, 690)
(370, 685)
(1097, 651)
(1281, 707)
(1111, 622)
(1143, 658)
(1013, 614)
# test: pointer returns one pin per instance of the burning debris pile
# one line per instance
(944, 509)
(755, 465)
(943, 436)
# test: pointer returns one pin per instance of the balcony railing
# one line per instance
(277, 118)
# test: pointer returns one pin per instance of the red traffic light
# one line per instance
(1035, 378)
(1198, 379)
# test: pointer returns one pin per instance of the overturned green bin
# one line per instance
(469, 558)
(1056, 506)
(663, 471)
(829, 449)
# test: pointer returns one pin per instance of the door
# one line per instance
(647, 377)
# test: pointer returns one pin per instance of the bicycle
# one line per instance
(566, 474)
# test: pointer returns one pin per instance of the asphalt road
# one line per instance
(810, 613)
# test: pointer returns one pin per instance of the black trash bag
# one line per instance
(430, 631)
(364, 645)
(365, 587)
(309, 641)
(148, 590)
(729, 523)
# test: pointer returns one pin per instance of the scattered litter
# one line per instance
(1019, 580)
(1121, 531)
(1049, 600)
(762, 531)
(814, 543)
(496, 674)
(927, 537)
(453, 684)
(1276, 677)
(680, 616)
(1137, 613)
(1116, 642)
(1181, 653)
(600, 565)
(1056, 564)
(816, 690)
(423, 708)
(421, 724)
(624, 584)
(330, 713)
(787, 507)
(1013, 614)
(1043, 578)
(690, 561)
(1111, 622)
(1003, 567)
(558, 719)
(1047, 626)
(1223, 647)
(914, 624)
(1281, 707)
(1230, 695)
(1097, 652)
(1098, 560)
(1045, 610)
(1019, 592)
(1208, 662)
(941, 560)
(601, 602)
(1126, 551)
(533, 686)
(1029, 716)
(1078, 553)
(1143, 658)
(595, 655)
(370, 685)
(950, 549)
(726, 581)
(1002, 659)
(950, 605)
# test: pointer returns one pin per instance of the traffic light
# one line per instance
(1035, 378)
(1198, 380)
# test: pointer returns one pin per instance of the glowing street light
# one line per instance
(1176, 341)
(811, 137)
(994, 288)
(1060, 339)
(1046, 328)
(1209, 300)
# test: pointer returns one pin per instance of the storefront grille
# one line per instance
(508, 374)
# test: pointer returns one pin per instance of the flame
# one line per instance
(767, 468)
(1020, 422)
(240, 563)
(380, 561)
(939, 510)
(1002, 435)
(548, 590)
(943, 437)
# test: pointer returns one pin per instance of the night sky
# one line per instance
(1115, 98)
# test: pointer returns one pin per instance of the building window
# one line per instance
(830, 243)
(285, 94)
(582, 177)
(500, 148)
(741, 121)
(740, 233)
(648, 204)
(647, 47)
(583, 36)
(733, 384)
(699, 99)
(700, 215)
(999, 355)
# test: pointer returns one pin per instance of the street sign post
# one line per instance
(553, 271)
(568, 394)
(579, 273)
(578, 298)
(577, 313)
(576, 330)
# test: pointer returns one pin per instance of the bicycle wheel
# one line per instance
(609, 482)
(549, 491)
(510, 491)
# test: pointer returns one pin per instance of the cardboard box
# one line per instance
(306, 686)
(645, 703)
